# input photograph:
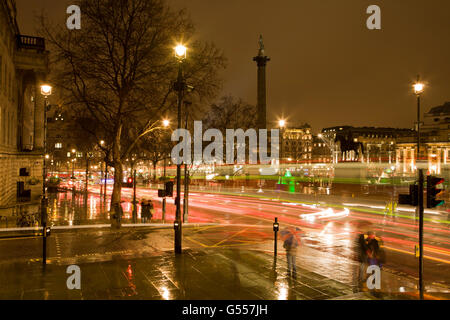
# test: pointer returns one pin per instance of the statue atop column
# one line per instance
(261, 61)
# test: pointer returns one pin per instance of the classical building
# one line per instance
(297, 144)
(435, 143)
(23, 68)
(321, 150)
(364, 144)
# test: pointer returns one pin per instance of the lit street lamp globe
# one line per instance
(180, 51)
(281, 123)
(418, 88)
(166, 123)
(46, 90)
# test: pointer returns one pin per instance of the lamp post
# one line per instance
(73, 163)
(166, 124)
(102, 142)
(46, 91)
(418, 90)
(281, 124)
(179, 86)
(186, 173)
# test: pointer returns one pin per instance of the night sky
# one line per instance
(327, 68)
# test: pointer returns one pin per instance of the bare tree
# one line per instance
(119, 69)
(231, 113)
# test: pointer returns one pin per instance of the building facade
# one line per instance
(435, 143)
(364, 144)
(23, 68)
(297, 144)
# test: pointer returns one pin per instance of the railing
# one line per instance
(28, 42)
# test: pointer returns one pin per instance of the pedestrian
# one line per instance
(151, 209)
(291, 243)
(375, 253)
(145, 211)
(360, 255)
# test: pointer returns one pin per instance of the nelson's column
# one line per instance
(261, 60)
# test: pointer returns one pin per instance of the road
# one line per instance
(243, 222)
(330, 229)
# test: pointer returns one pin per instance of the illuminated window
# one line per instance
(58, 145)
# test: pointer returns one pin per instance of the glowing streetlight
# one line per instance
(102, 142)
(281, 123)
(46, 90)
(73, 150)
(166, 123)
(418, 88)
(180, 52)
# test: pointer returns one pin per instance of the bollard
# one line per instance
(276, 227)
(163, 210)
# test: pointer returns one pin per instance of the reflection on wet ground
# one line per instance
(69, 208)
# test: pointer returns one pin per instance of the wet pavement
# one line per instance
(225, 228)
(140, 264)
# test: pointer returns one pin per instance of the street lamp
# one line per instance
(180, 52)
(281, 124)
(418, 90)
(166, 124)
(179, 86)
(73, 163)
(46, 91)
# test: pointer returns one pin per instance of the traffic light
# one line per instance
(128, 184)
(433, 192)
(169, 189)
(412, 198)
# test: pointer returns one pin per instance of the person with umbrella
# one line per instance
(291, 238)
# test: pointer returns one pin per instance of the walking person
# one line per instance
(145, 211)
(291, 243)
(360, 251)
(376, 257)
(151, 210)
(376, 254)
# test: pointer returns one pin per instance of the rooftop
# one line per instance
(439, 110)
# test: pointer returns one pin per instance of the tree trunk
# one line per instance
(116, 197)
(154, 171)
